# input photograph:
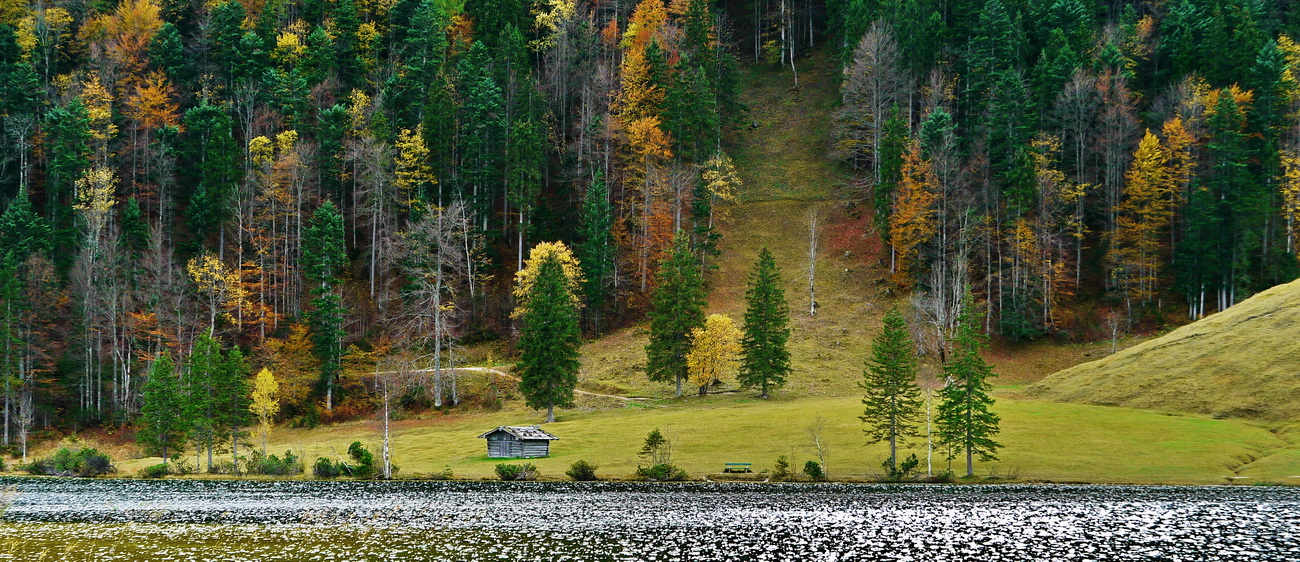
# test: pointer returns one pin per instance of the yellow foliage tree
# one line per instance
(913, 221)
(297, 365)
(1290, 189)
(413, 171)
(1146, 209)
(1060, 218)
(265, 402)
(217, 283)
(721, 181)
(525, 277)
(715, 351)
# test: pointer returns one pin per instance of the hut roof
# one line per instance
(530, 432)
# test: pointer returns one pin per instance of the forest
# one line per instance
(313, 186)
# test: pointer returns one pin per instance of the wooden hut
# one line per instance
(518, 442)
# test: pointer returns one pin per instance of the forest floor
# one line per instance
(783, 159)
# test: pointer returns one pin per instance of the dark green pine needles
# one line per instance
(963, 418)
(548, 340)
(765, 361)
(893, 400)
(162, 415)
(676, 308)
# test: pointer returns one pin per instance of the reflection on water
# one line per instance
(304, 520)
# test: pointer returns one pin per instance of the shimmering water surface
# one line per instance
(59, 519)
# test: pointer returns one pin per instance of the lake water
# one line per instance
(58, 519)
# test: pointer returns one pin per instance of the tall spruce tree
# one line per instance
(892, 404)
(231, 396)
(596, 252)
(549, 338)
(676, 308)
(964, 421)
(162, 416)
(323, 260)
(201, 395)
(765, 361)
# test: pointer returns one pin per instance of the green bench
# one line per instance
(737, 467)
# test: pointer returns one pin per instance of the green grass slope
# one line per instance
(1242, 362)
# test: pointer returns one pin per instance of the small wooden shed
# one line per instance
(518, 442)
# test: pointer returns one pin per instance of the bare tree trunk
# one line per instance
(812, 262)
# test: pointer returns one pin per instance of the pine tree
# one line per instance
(201, 395)
(230, 399)
(676, 308)
(548, 340)
(323, 260)
(596, 251)
(765, 362)
(893, 400)
(963, 418)
(162, 417)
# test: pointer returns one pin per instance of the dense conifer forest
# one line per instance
(313, 186)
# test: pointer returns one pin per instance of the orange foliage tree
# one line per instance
(913, 221)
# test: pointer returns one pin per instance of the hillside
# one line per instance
(787, 175)
(1242, 362)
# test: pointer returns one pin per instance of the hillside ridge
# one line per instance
(1241, 362)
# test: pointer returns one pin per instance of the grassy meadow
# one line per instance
(1043, 441)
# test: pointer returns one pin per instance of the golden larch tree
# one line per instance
(265, 402)
(1143, 215)
(913, 221)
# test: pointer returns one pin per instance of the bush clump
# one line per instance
(87, 462)
(156, 471)
(661, 473)
(511, 472)
(272, 465)
(364, 466)
(906, 469)
(582, 471)
(813, 470)
(325, 468)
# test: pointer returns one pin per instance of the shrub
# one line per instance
(906, 469)
(946, 477)
(156, 471)
(87, 462)
(324, 468)
(781, 469)
(814, 471)
(661, 473)
(275, 466)
(365, 462)
(582, 471)
(181, 464)
(40, 467)
(524, 471)
(222, 466)
(446, 474)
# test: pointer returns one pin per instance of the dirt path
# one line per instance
(504, 374)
